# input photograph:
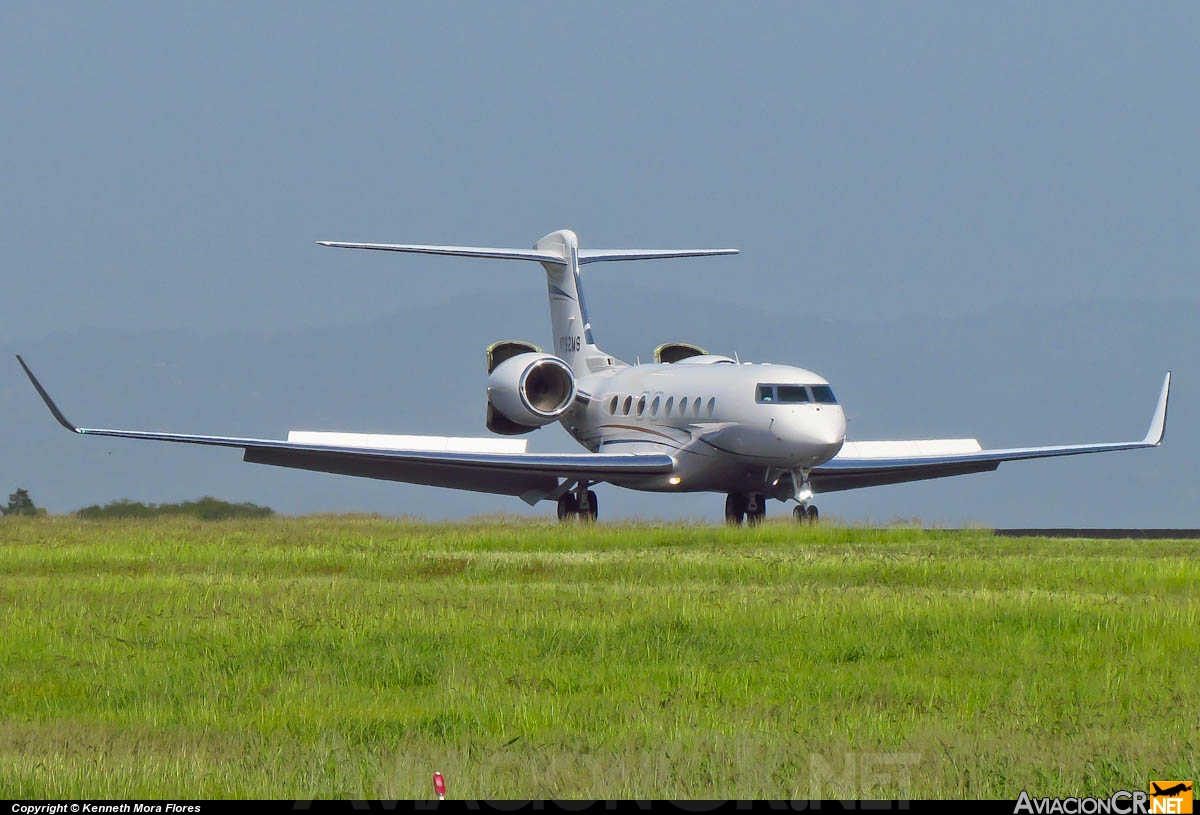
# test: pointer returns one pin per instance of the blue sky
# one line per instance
(169, 165)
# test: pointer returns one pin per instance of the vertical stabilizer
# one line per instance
(569, 321)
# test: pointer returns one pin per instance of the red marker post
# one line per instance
(439, 786)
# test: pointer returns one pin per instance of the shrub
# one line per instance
(206, 509)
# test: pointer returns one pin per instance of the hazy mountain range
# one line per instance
(1070, 373)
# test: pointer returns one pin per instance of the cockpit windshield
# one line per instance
(795, 394)
(824, 394)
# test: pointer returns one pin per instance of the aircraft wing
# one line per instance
(873, 463)
(530, 476)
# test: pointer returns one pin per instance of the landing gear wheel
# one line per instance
(805, 514)
(568, 507)
(735, 508)
(755, 516)
(593, 508)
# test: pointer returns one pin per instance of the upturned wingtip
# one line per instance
(58, 414)
(1158, 422)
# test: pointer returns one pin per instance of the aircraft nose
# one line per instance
(828, 434)
(830, 429)
(816, 436)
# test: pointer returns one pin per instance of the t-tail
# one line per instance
(561, 257)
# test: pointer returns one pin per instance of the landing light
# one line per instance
(674, 480)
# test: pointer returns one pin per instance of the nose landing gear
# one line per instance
(805, 513)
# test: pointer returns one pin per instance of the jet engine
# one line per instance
(677, 352)
(526, 390)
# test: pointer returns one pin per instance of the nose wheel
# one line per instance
(802, 491)
(805, 513)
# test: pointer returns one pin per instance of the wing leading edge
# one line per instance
(530, 476)
(867, 464)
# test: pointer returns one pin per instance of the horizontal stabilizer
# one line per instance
(458, 251)
(539, 255)
(599, 255)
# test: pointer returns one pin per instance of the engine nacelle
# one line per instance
(529, 390)
(677, 352)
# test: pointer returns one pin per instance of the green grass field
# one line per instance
(347, 656)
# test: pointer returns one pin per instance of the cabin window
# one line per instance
(670, 406)
(683, 406)
(824, 394)
(626, 407)
(712, 405)
(612, 406)
(641, 405)
(696, 406)
(655, 405)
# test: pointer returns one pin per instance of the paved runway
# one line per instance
(1113, 534)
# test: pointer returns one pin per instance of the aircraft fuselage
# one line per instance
(728, 425)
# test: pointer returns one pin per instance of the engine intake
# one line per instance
(677, 352)
(529, 390)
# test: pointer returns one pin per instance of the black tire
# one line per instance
(568, 507)
(813, 515)
(593, 510)
(799, 514)
(735, 508)
(757, 516)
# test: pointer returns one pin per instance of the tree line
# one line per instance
(205, 509)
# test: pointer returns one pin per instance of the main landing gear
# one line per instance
(580, 504)
(752, 508)
(738, 506)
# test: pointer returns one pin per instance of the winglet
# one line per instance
(58, 414)
(1158, 424)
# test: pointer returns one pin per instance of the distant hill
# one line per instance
(1079, 372)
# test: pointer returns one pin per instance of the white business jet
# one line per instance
(689, 422)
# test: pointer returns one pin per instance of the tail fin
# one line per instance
(561, 257)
